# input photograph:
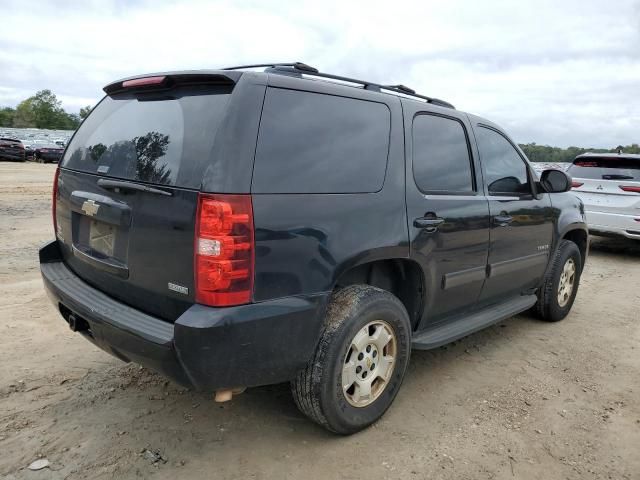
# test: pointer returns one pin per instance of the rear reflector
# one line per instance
(224, 250)
(630, 188)
(576, 184)
(143, 82)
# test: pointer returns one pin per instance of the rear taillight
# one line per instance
(224, 250)
(630, 188)
(54, 200)
(575, 184)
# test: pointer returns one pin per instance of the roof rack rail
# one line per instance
(409, 91)
(296, 65)
(299, 69)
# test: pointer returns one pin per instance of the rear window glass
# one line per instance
(606, 168)
(155, 138)
(315, 143)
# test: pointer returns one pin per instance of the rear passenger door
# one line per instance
(521, 219)
(448, 214)
(328, 185)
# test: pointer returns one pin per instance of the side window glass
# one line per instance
(441, 161)
(505, 171)
(316, 143)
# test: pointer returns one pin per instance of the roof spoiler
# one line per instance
(165, 81)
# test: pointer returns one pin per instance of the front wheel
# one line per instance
(359, 363)
(560, 285)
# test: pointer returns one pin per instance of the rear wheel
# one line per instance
(560, 286)
(359, 363)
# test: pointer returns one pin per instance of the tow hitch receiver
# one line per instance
(77, 324)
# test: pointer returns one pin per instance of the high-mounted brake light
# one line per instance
(143, 82)
(630, 188)
(54, 200)
(224, 250)
(575, 184)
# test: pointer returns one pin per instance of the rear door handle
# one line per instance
(430, 223)
(503, 219)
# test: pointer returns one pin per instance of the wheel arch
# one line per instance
(402, 277)
(580, 237)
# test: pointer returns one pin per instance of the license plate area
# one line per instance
(102, 237)
(102, 244)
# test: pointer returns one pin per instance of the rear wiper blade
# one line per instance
(614, 176)
(124, 185)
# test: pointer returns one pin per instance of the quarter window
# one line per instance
(316, 143)
(441, 161)
(505, 171)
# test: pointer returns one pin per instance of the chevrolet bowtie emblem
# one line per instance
(90, 207)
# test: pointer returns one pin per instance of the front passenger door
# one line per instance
(521, 225)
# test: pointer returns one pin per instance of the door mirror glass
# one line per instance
(555, 181)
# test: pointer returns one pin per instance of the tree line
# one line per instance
(42, 110)
(545, 153)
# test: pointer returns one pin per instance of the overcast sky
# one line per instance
(551, 72)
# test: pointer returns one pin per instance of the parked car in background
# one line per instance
(28, 149)
(47, 153)
(316, 233)
(609, 186)
(11, 149)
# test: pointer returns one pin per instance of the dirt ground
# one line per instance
(524, 399)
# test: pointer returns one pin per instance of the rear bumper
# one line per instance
(206, 348)
(613, 224)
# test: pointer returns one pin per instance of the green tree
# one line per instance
(24, 116)
(6, 116)
(73, 121)
(44, 110)
(47, 110)
(85, 111)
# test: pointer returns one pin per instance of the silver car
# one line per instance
(609, 186)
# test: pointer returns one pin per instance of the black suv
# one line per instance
(234, 228)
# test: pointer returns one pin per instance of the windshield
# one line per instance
(161, 138)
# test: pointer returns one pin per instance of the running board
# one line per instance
(442, 334)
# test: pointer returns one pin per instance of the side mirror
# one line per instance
(555, 181)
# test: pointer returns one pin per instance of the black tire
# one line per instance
(317, 390)
(548, 307)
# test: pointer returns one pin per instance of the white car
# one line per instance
(609, 186)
